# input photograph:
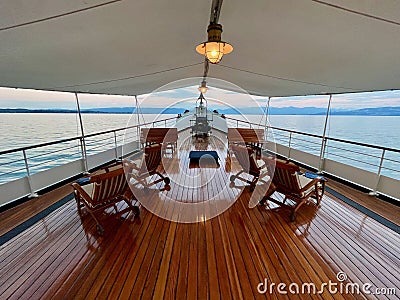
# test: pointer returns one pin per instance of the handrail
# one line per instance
(78, 137)
(320, 136)
(293, 136)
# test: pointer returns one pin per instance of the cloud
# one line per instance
(344, 101)
(187, 97)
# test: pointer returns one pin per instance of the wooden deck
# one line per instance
(62, 256)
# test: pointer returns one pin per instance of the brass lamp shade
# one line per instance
(214, 48)
(203, 88)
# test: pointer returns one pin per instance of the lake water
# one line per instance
(20, 130)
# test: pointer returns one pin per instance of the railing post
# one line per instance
(84, 156)
(82, 138)
(323, 144)
(322, 155)
(378, 175)
(116, 147)
(290, 142)
(33, 194)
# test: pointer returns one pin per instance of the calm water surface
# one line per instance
(20, 130)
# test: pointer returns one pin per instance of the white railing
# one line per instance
(23, 170)
(26, 170)
(374, 167)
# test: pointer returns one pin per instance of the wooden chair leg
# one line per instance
(296, 208)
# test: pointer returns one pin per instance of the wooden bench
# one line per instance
(248, 136)
(168, 137)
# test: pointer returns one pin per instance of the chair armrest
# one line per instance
(81, 191)
(313, 182)
(131, 165)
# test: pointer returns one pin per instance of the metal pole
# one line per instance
(84, 153)
(116, 147)
(266, 117)
(378, 175)
(28, 175)
(267, 114)
(290, 141)
(323, 144)
(138, 118)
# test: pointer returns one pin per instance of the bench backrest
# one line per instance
(158, 135)
(246, 135)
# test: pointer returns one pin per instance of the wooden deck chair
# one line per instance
(103, 191)
(288, 181)
(147, 167)
(246, 157)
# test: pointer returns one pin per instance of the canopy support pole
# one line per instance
(266, 124)
(138, 119)
(323, 144)
(83, 143)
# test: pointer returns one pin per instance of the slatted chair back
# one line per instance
(107, 187)
(247, 160)
(151, 159)
(158, 135)
(285, 177)
(246, 135)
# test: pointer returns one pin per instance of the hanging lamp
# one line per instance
(214, 48)
(203, 87)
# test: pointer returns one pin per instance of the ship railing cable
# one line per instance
(52, 152)
(13, 171)
(302, 146)
(320, 136)
(346, 150)
(351, 151)
(58, 162)
(49, 154)
(354, 159)
(298, 140)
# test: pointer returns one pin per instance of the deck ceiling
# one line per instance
(281, 47)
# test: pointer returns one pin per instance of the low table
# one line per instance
(210, 159)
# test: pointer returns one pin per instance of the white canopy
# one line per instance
(281, 47)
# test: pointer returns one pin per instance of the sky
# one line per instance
(186, 97)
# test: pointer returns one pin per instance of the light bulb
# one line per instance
(203, 87)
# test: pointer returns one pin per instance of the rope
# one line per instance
(286, 79)
(128, 77)
(59, 15)
(357, 12)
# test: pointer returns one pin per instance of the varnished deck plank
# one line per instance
(226, 257)
(19, 214)
(379, 206)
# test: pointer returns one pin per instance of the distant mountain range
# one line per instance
(103, 110)
(375, 111)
